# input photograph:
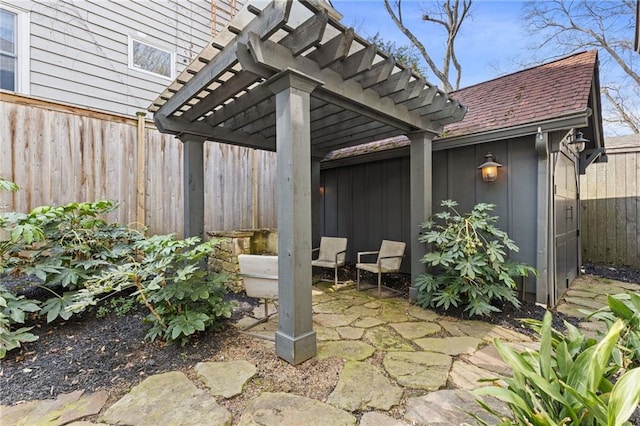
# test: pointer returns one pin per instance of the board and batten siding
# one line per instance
(370, 201)
(79, 49)
(59, 154)
(610, 205)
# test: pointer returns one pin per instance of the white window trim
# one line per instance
(23, 45)
(164, 49)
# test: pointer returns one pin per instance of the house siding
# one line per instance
(79, 49)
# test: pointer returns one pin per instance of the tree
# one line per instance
(560, 27)
(449, 14)
(405, 54)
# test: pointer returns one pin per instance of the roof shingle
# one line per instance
(554, 89)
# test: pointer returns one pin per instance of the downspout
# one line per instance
(141, 173)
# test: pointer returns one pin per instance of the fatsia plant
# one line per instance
(469, 265)
(552, 386)
(168, 278)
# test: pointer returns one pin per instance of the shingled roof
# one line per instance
(555, 89)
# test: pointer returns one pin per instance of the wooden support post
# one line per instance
(315, 201)
(193, 175)
(544, 282)
(295, 338)
(141, 172)
(421, 171)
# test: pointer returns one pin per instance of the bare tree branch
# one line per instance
(573, 25)
(447, 15)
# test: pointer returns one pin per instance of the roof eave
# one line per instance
(573, 120)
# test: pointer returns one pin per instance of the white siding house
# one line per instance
(112, 56)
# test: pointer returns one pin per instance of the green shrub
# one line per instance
(566, 381)
(181, 296)
(468, 261)
(63, 247)
(13, 310)
(81, 260)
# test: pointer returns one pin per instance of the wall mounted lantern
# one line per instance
(577, 139)
(489, 168)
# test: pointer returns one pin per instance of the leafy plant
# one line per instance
(13, 310)
(120, 306)
(558, 384)
(168, 279)
(468, 262)
(63, 247)
(625, 307)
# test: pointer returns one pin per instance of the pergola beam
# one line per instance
(348, 94)
(273, 17)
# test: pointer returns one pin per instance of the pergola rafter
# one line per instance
(288, 77)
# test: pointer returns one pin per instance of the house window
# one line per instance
(152, 59)
(14, 43)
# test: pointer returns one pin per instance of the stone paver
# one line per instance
(350, 333)
(481, 330)
(291, 410)
(225, 378)
(416, 329)
(334, 320)
(351, 395)
(64, 409)
(167, 399)
(465, 375)
(349, 350)
(418, 370)
(362, 311)
(583, 303)
(450, 345)
(335, 306)
(367, 322)
(449, 407)
(489, 359)
(385, 340)
(374, 418)
(326, 333)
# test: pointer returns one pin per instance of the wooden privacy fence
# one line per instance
(610, 202)
(58, 154)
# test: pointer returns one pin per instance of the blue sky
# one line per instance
(490, 44)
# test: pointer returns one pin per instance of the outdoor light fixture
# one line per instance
(577, 139)
(489, 168)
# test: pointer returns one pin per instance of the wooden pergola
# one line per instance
(288, 77)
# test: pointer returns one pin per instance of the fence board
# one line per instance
(610, 199)
(58, 154)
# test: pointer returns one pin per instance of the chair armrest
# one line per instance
(363, 253)
(314, 250)
(338, 254)
(391, 257)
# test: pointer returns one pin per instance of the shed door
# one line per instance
(566, 224)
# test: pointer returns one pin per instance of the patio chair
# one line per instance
(260, 276)
(332, 254)
(389, 260)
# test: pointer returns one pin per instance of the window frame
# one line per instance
(23, 45)
(141, 40)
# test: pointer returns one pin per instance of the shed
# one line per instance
(528, 120)
(288, 77)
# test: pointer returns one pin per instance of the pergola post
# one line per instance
(193, 185)
(316, 197)
(295, 338)
(421, 200)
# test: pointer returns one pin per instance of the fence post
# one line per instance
(141, 171)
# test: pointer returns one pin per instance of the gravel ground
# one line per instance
(110, 354)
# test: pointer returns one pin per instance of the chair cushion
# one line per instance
(325, 263)
(329, 247)
(373, 267)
